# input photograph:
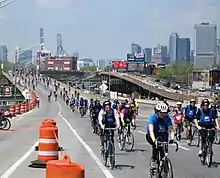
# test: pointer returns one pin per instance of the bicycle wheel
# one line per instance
(209, 155)
(112, 154)
(105, 153)
(177, 134)
(129, 141)
(167, 170)
(196, 137)
(121, 140)
(6, 124)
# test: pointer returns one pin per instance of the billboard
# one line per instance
(136, 58)
(120, 65)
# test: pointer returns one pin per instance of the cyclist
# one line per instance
(108, 118)
(205, 119)
(38, 102)
(157, 128)
(178, 116)
(121, 106)
(72, 102)
(165, 101)
(86, 105)
(49, 95)
(95, 112)
(190, 114)
(126, 115)
(115, 104)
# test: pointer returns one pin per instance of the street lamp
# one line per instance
(4, 3)
(17, 54)
(109, 79)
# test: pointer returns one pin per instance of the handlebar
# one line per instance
(110, 128)
(163, 144)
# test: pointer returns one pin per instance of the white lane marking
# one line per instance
(182, 147)
(27, 113)
(87, 147)
(19, 162)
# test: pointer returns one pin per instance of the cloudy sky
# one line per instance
(102, 28)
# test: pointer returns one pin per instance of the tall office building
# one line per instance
(3, 53)
(205, 45)
(160, 55)
(173, 47)
(101, 63)
(135, 48)
(25, 56)
(183, 50)
(148, 54)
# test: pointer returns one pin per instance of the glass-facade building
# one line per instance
(3, 53)
(183, 50)
(135, 48)
(205, 45)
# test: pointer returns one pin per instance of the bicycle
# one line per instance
(48, 98)
(195, 135)
(124, 135)
(217, 137)
(164, 164)
(206, 158)
(109, 147)
(5, 123)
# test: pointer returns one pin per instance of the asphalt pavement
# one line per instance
(83, 146)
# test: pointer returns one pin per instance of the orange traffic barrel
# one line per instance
(64, 169)
(17, 109)
(22, 109)
(26, 108)
(12, 110)
(30, 105)
(48, 144)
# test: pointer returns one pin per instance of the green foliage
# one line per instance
(89, 68)
(176, 72)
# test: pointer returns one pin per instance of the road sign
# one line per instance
(103, 87)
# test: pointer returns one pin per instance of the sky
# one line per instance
(102, 29)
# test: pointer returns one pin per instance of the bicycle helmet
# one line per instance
(106, 103)
(192, 100)
(161, 107)
(205, 101)
(178, 103)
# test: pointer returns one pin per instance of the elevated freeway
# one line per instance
(154, 87)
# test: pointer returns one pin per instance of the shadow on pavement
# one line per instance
(121, 166)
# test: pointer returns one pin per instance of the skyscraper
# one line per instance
(135, 48)
(183, 50)
(148, 54)
(173, 47)
(205, 45)
(160, 55)
(3, 53)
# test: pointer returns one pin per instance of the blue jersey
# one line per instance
(72, 101)
(190, 112)
(81, 102)
(110, 120)
(161, 126)
(205, 118)
(86, 103)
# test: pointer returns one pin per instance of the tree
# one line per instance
(176, 72)
(89, 68)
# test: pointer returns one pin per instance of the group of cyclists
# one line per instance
(160, 125)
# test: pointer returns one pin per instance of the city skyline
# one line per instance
(95, 21)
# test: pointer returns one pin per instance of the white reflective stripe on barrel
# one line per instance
(46, 140)
(47, 153)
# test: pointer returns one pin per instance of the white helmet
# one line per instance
(162, 107)
(178, 103)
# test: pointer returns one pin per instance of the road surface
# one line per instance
(78, 141)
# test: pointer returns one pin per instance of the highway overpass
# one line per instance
(153, 87)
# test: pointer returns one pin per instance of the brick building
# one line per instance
(61, 64)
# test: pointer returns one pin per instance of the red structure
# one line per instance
(120, 65)
(61, 64)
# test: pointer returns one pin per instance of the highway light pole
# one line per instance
(4, 3)
(109, 79)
